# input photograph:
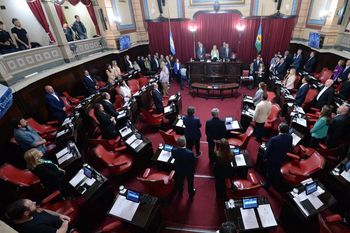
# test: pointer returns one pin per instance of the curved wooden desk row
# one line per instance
(211, 89)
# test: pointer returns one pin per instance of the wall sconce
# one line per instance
(192, 28)
(240, 27)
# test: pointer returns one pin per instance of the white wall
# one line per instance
(19, 9)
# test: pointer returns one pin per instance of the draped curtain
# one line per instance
(217, 28)
(60, 13)
(39, 14)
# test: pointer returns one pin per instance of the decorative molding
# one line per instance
(211, 2)
(217, 12)
(88, 46)
(120, 26)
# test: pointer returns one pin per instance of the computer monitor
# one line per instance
(311, 188)
(133, 196)
(88, 171)
(250, 202)
(236, 151)
(347, 165)
(168, 147)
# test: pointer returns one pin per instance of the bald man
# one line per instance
(325, 96)
(339, 128)
(54, 104)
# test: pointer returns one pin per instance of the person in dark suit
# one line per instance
(344, 75)
(55, 104)
(200, 52)
(339, 127)
(184, 166)
(176, 70)
(108, 106)
(107, 122)
(192, 130)
(157, 98)
(297, 59)
(225, 51)
(325, 96)
(310, 63)
(140, 61)
(128, 63)
(275, 154)
(215, 129)
(155, 63)
(288, 58)
(68, 32)
(90, 83)
(302, 91)
(344, 91)
(281, 69)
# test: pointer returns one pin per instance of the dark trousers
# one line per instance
(211, 146)
(273, 175)
(259, 131)
(180, 178)
(314, 141)
(190, 142)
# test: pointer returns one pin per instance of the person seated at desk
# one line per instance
(128, 63)
(200, 52)
(262, 88)
(90, 83)
(157, 98)
(345, 73)
(344, 91)
(325, 96)
(192, 131)
(106, 121)
(222, 167)
(26, 137)
(275, 154)
(116, 69)
(320, 129)
(261, 113)
(108, 106)
(27, 218)
(110, 74)
(50, 175)
(310, 63)
(214, 54)
(339, 128)
(6, 43)
(125, 91)
(55, 104)
(184, 166)
(164, 78)
(288, 82)
(302, 91)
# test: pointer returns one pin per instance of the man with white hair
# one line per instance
(325, 96)
(339, 128)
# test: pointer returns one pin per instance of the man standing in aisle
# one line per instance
(262, 112)
(192, 130)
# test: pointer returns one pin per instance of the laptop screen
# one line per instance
(311, 188)
(133, 196)
(249, 203)
(87, 172)
(347, 166)
(236, 151)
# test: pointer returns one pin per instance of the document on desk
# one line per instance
(131, 139)
(315, 201)
(59, 134)
(67, 121)
(251, 111)
(240, 161)
(298, 199)
(64, 158)
(121, 114)
(248, 97)
(180, 123)
(136, 143)
(171, 98)
(125, 131)
(77, 178)
(235, 125)
(346, 175)
(299, 109)
(296, 139)
(164, 156)
(90, 182)
(62, 152)
(266, 216)
(249, 219)
(124, 208)
(302, 121)
(167, 109)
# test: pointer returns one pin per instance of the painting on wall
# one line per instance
(211, 2)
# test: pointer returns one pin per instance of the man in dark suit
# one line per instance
(90, 83)
(157, 98)
(155, 63)
(55, 104)
(225, 51)
(176, 70)
(107, 122)
(192, 130)
(344, 75)
(344, 91)
(288, 58)
(339, 128)
(302, 91)
(281, 69)
(275, 154)
(215, 129)
(325, 96)
(297, 59)
(200, 52)
(310, 63)
(128, 63)
(108, 106)
(184, 166)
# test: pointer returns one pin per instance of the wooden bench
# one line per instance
(212, 88)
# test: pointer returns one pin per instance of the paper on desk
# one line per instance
(124, 208)
(249, 219)
(235, 125)
(240, 161)
(248, 100)
(346, 175)
(67, 121)
(251, 111)
(167, 109)
(180, 123)
(228, 119)
(299, 109)
(62, 152)
(59, 134)
(164, 156)
(315, 201)
(64, 158)
(172, 160)
(299, 198)
(266, 216)
(319, 191)
(301, 121)
(122, 114)
(77, 178)
(296, 139)
(173, 97)
(90, 181)
(131, 139)
(248, 97)
(125, 131)
(136, 143)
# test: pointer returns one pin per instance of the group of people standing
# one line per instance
(225, 53)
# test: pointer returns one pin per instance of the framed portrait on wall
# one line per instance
(211, 2)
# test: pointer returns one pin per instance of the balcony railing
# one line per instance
(344, 42)
(86, 47)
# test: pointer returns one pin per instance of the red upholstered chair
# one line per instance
(310, 96)
(271, 96)
(18, 177)
(133, 85)
(93, 116)
(244, 187)
(332, 223)
(300, 169)
(332, 155)
(152, 119)
(327, 74)
(242, 140)
(271, 120)
(100, 84)
(67, 105)
(108, 144)
(65, 207)
(158, 183)
(73, 100)
(47, 130)
(296, 83)
(142, 81)
(117, 161)
(112, 225)
(169, 137)
(118, 102)
(318, 75)
(245, 77)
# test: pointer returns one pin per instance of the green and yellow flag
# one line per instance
(258, 39)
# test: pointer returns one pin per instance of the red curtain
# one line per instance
(91, 11)
(39, 14)
(60, 13)
(217, 28)
(74, 2)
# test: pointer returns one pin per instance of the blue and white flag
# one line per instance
(172, 45)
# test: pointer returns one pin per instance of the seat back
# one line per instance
(312, 164)
(133, 85)
(118, 101)
(70, 98)
(150, 119)
(41, 129)
(106, 156)
(67, 105)
(271, 96)
(245, 137)
(297, 80)
(326, 74)
(272, 118)
(93, 116)
(100, 84)
(158, 183)
(168, 138)
(318, 75)
(22, 178)
(245, 73)
(310, 96)
(142, 81)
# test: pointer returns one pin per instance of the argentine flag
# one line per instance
(172, 45)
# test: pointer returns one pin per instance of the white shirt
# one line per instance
(54, 95)
(156, 62)
(130, 64)
(125, 92)
(321, 92)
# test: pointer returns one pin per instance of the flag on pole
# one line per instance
(258, 39)
(172, 45)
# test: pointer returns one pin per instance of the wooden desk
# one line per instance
(212, 88)
(168, 164)
(213, 72)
